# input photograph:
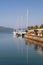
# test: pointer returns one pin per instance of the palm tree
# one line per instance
(35, 29)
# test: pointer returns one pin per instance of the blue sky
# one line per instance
(13, 13)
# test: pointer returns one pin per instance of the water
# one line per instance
(19, 51)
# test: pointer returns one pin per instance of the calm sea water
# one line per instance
(19, 51)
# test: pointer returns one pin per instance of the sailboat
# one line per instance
(19, 32)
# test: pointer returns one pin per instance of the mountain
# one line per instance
(6, 30)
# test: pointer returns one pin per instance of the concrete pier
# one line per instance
(33, 37)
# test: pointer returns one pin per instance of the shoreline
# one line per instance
(36, 38)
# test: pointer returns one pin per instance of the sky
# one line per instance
(13, 13)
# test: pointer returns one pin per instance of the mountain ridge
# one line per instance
(6, 29)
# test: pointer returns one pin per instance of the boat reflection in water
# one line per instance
(38, 47)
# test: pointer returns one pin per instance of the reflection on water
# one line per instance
(37, 45)
(19, 51)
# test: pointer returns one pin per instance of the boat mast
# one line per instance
(27, 17)
(27, 45)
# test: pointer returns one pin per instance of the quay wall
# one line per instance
(33, 37)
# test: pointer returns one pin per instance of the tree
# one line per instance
(36, 32)
(42, 32)
(30, 27)
(41, 26)
(35, 27)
